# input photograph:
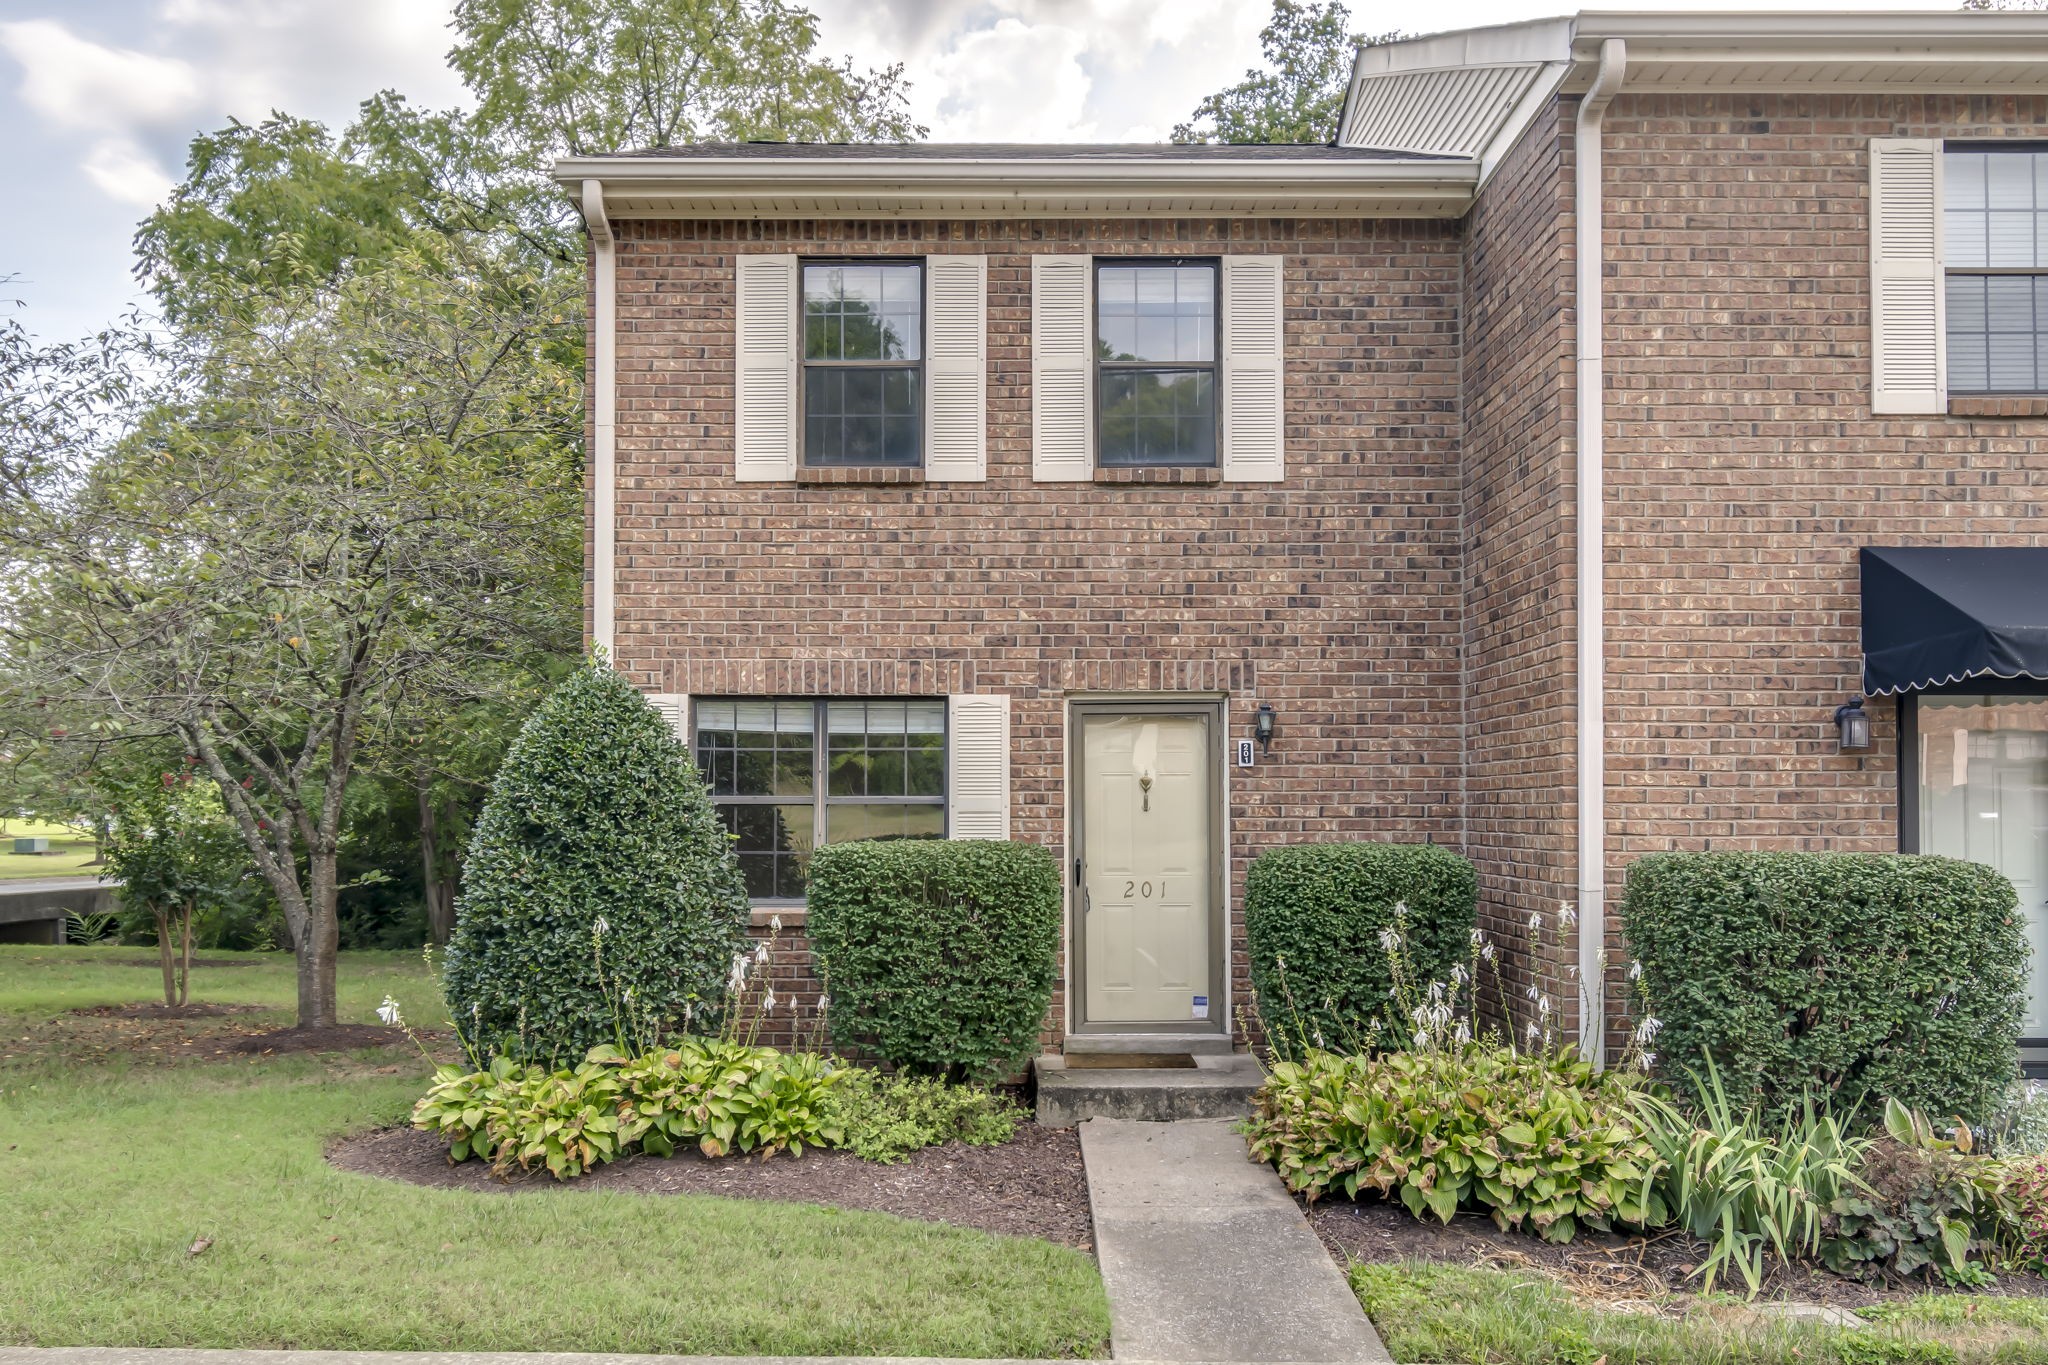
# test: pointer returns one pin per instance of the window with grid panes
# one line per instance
(863, 366)
(788, 776)
(1995, 258)
(1155, 357)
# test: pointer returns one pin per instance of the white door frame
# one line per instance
(1212, 710)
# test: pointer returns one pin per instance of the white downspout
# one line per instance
(604, 413)
(1592, 603)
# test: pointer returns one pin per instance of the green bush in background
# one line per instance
(1315, 917)
(597, 866)
(938, 955)
(1850, 976)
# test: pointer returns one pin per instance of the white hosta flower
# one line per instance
(1401, 909)
(738, 978)
(1421, 1042)
(600, 926)
(1649, 1060)
(768, 1001)
(1389, 940)
(1478, 937)
(775, 923)
(630, 996)
(761, 952)
(1649, 1029)
(389, 1012)
(1532, 1035)
(1535, 920)
(1459, 976)
(1566, 915)
(1635, 971)
(1486, 953)
(1543, 1007)
(1571, 969)
(824, 1003)
(1319, 1037)
(1531, 991)
(1463, 1033)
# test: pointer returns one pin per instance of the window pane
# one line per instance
(774, 748)
(1984, 797)
(886, 748)
(901, 820)
(774, 846)
(1996, 326)
(863, 416)
(863, 312)
(1163, 313)
(1157, 417)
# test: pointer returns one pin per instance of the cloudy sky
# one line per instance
(98, 98)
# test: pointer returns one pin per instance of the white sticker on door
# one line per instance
(1201, 1007)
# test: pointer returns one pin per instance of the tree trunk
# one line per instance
(436, 888)
(319, 944)
(164, 953)
(185, 965)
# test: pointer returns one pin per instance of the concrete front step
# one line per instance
(1216, 1087)
(1189, 1044)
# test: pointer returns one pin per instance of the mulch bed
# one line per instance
(1619, 1272)
(1031, 1186)
(147, 1011)
(334, 1038)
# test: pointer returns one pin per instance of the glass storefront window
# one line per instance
(1983, 778)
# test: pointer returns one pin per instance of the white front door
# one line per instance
(1146, 871)
(1983, 764)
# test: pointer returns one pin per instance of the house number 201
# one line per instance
(1143, 890)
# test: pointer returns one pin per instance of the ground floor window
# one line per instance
(791, 775)
(1977, 775)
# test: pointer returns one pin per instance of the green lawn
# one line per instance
(111, 1168)
(69, 852)
(1436, 1313)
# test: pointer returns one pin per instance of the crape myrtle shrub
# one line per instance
(1314, 916)
(1851, 975)
(938, 954)
(597, 819)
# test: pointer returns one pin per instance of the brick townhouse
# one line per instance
(1630, 435)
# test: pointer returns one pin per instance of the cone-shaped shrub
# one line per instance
(598, 865)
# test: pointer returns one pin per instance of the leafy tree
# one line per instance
(355, 491)
(172, 848)
(1309, 49)
(601, 895)
(592, 76)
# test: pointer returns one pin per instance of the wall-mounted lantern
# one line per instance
(1265, 727)
(1852, 726)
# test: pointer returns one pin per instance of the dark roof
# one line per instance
(1028, 151)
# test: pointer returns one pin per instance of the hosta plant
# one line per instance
(719, 1095)
(1539, 1140)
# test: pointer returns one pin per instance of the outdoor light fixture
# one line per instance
(1265, 727)
(1853, 725)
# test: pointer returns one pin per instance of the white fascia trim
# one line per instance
(716, 187)
(604, 419)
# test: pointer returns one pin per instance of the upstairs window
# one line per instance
(1995, 267)
(863, 363)
(1155, 356)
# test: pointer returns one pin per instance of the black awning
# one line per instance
(1940, 614)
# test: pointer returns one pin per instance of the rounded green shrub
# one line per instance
(1315, 922)
(1852, 976)
(597, 867)
(938, 955)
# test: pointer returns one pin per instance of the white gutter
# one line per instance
(1588, 230)
(604, 413)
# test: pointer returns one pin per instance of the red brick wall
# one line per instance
(1745, 469)
(1519, 780)
(1334, 596)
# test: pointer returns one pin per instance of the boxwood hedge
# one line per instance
(1854, 975)
(938, 955)
(1313, 918)
(597, 815)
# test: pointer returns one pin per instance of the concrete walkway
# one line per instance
(1205, 1255)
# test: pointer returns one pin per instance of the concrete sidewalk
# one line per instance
(1205, 1255)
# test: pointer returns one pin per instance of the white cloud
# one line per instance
(80, 84)
(123, 171)
(1014, 82)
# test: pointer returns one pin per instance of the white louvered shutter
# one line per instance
(1909, 365)
(956, 368)
(978, 766)
(764, 388)
(675, 709)
(1254, 427)
(1062, 371)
